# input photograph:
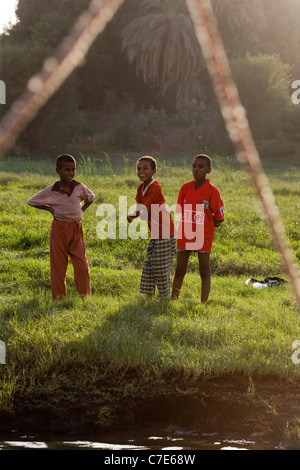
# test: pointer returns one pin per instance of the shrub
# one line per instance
(151, 121)
(124, 133)
(264, 82)
(188, 112)
(264, 85)
(60, 118)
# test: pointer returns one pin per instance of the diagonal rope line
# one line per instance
(238, 127)
(56, 69)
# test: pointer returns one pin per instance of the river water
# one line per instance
(142, 439)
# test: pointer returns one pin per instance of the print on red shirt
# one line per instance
(196, 231)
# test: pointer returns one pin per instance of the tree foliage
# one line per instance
(148, 55)
(61, 117)
(158, 41)
(41, 28)
(162, 42)
(241, 24)
(264, 87)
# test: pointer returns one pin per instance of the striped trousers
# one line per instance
(157, 266)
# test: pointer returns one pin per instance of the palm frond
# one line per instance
(162, 42)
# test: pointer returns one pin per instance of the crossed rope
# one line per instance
(74, 48)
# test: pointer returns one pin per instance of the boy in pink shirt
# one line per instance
(64, 200)
(202, 210)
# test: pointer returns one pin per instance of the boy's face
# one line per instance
(66, 172)
(200, 169)
(144, 171)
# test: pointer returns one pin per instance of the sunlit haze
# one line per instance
(7, 13)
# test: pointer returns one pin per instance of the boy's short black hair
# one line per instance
(65, 157)
(206, 158)
(149, 159)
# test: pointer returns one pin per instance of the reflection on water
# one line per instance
(136, 440)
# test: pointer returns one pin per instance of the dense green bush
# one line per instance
(106, 80)
(264, 84)
(151, 121)
(60, 118)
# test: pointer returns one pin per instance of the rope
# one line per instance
(238, 127)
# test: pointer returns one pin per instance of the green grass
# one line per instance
(75, 347)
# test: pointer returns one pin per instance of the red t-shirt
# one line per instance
(159, 220)
(199, 209)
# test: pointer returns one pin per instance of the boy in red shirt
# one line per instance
(161, 247)
(202, 210)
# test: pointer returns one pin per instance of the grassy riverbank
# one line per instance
(117, 344)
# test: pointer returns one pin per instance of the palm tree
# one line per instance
(164, 47)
